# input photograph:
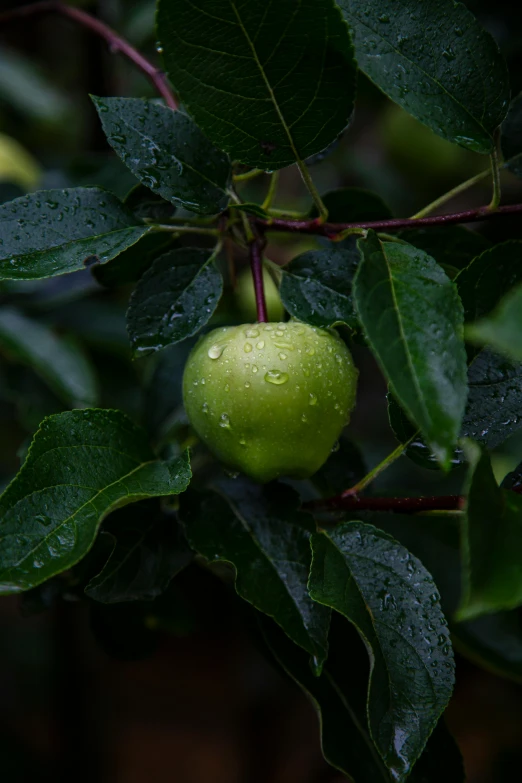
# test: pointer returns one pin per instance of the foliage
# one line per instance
(95, 507)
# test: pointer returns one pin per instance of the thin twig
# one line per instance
(495, 174)
(256, 264)
(334, 230)
(400, 505)
(116, 42)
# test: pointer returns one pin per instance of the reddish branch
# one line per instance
(332, 230)
(116, 43)
(349, 502)
(256, 265)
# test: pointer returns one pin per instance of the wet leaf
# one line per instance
(412, 319)
(260, 531)
(453, 247)
(129, 266)
(488, 277)
(53, 232)
(268, 88)
(387, 594)
(491, 542)
(58, 360)
(173, 300)
(316, 286)
(81, 465)
(437, 62)
(167, 152)
(502, 329)
(149, 549)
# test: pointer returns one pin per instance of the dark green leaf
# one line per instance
(493, 642)
(488, 277)
(143, 203)
(511, 136)
(129, 266)
(173, 300)
(350, 205)
(262, 534)
(149, 549)
(268, 88)
(316, 286)
(453, 247)
(342, 469)
(412, 318)
(502, 329)
(81, 465)
(52, 232)
(387, 594)
(167, 152)
(345, 741)
(491, 543)
(436, 61)
(492, 411)
(513, 480)
(253, 209)
(163, 398)
(58, 360)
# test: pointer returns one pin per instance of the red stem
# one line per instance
(348, 502)
(331, 230)
(256, 265)
(116, 43)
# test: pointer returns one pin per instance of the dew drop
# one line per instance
(260, 344)
(224, 421)
(313, 399)
(215, 351)
(309, 350)
(247, 347)
(227, 387)
(276, 377)
(283, 356)
(252, 332)
(205, 407)
(247, 385)
(242, 442)
(254, 368)
(303, 418)
(279, 333)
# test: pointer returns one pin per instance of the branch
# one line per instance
(350, 502)
(116, 43)
(256, 264)
(332, 230)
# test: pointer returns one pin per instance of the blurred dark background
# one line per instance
(172, 690)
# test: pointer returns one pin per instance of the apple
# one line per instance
(246, 298)
(270, 399)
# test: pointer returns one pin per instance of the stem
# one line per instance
(378, 469)
(274, 181)
(331, 230)
(116, 42)
(256, 264)
(321, 209)
(247, 175)
(212, 232)
(495, 173)
(399, 505)
(427, 210)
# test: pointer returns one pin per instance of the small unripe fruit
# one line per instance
(270, 399)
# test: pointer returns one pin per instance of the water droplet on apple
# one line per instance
(224, 421)
(276, 377)
(247, 347)
(313, 399)
(260, 344)
(252, 332)
(215, 351)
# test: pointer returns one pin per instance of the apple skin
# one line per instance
(271, 399)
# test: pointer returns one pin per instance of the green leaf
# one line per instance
(129, 266)
(453, 247)
(262, 534)
(412, 318)
(350, 205)
(253, 209)
(58, 360)
(436, 61)
(144, 204)
(316, 286)
(167, 152)
(149, 549)
(491, 543)
(53, 232)
(502, 329)
(163, 397)
(492, 411)
(387, 594)
(511, 137)
(268, 88)
(341, 470)
(488, 277)
(493, 641)
(81, 465)
(173, 299)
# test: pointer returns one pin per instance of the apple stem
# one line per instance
(256, 265)
(401, 505)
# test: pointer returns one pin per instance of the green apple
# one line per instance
(270, 399)
(246, 298)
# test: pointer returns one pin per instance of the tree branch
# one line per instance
(350, 502)
(333, 230)
(116, 43)
(256, 264)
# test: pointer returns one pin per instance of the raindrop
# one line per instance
(283, 356)
(254, 368)
(215, 351)
(247, 385)
(276, 377)
(224, 421)
(313, 399)
(252, 332)
(260, 345)
(248, 347)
